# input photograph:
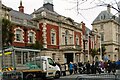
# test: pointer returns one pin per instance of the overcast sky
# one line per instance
(63, 7)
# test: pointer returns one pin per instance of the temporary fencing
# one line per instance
(99, 77)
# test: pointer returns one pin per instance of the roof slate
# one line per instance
(105, 15)
(20, 15)
(22, 19)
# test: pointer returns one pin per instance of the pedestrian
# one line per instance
(80, 67)
(75, 68)
(102, 66)
(71, 67)
(109, 66)
(63, 69)
(98, 66)
(88, 67)
(106, 66)
(113, 67)
(93, 68)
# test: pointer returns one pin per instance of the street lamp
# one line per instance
(100, 49)
(84, 46)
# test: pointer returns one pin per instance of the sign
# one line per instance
(6, 53)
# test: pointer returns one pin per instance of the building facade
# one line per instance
(60, 37)
(107, 25)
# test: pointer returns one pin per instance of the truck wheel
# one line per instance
(29, 77)
(57, 75)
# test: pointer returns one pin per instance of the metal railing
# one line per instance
(99, 77)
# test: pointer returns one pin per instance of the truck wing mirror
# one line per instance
(54, 64)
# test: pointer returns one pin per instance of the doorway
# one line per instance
(69, 57)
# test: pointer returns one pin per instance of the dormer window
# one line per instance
(104, 16)
(43, 13)
(101, 17)
(34, 15)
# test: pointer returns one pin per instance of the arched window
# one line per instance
(18, 35)
(31, 37)
(53, 37)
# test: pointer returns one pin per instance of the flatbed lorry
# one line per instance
(38, 68)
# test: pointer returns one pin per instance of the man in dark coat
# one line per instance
(88, 67)
(109, 66)
(113, 67)
(75, 68)
(93, 68)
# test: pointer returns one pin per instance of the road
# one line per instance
(103, 76)
(70, 77)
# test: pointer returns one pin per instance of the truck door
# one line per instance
(51, 67)
(44, 64)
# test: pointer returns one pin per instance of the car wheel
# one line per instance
(57, 75)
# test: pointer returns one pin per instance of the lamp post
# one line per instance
(100, 50)
(84, 46)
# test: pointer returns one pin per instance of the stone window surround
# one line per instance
(53, 38)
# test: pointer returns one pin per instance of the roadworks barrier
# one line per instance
(99, 77)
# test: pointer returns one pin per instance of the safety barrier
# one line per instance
(12, 76)
(99, 77)
(8, 69)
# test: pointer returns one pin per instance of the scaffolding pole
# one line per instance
(1, 33)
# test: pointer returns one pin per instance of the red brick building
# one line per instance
(60, 36)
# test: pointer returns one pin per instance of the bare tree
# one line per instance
(114, 4)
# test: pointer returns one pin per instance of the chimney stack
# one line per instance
(109, 8)
(21, 8)
(48, 4)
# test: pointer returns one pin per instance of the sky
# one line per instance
(66, 8)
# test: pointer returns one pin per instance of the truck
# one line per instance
(39, 67)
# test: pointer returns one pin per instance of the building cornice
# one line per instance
(105, 21)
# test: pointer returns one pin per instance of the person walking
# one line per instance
(80, 67)
(63, 69)
(109, 66)
(88, 67)
(93, 68)
(113, 67)
(75, 68)
(106, 66)
(71, 67)
(101, 65)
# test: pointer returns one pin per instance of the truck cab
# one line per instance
(48, 65)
